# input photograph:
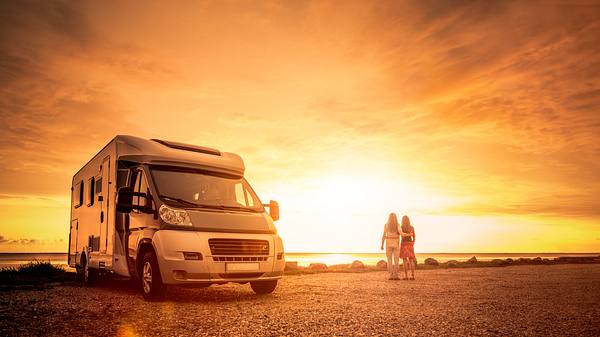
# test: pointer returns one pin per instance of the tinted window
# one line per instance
(92, 189)
(78, 194)
(99, 186)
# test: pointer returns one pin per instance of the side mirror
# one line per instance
(273, 209)
(125, 199)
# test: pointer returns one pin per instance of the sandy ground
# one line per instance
(518, 300)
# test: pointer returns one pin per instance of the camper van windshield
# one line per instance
(204, 190)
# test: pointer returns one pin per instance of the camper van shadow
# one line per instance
(215, 293)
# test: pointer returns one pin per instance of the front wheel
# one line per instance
(152, 285)
(263, 287)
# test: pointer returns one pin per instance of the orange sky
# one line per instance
(479, 120)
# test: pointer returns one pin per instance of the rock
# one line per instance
(357, 265)
(576, 259)
(509, 260)
(473, 259)
(452, 263)
(317, 266)
(291, 265)
(381, 264)
(431, 261)
(524, 260)
(537, 260)
(499, 262)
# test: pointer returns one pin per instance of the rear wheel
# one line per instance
(87, 275)
(150, 280)
(263, 287)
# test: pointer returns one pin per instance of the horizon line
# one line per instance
(379, 252)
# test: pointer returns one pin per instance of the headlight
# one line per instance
(174, 216)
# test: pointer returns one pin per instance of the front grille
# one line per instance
(238, 247)
(239, 258)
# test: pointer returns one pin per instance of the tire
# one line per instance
(264, 287)
(150, 279)
(87, 275)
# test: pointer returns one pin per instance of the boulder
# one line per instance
(431, 261)
(317, 266)
(499, 262)
(524, 260)
(576, 259)
(537, 260)
(381, 264)
(473, 259)
(291, 265)
(452, 263)
(357, 265)
(509, 260)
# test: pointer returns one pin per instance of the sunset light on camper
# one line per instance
(342, 114)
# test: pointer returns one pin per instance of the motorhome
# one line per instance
(166, 213)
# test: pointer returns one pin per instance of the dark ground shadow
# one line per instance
(230, 292)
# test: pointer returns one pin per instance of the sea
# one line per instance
(8, 260)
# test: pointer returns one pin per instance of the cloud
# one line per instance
(492, 104)
(29, 241)
(3, 240)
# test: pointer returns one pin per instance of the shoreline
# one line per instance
(51, 275)
(292, 267)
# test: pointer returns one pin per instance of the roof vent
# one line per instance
(187, 147)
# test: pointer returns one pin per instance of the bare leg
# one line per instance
(396, 262)
(388, 253)
(405, 263)
(412, 267)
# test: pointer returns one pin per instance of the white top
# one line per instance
(391, 238)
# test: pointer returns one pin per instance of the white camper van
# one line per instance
(168, 213)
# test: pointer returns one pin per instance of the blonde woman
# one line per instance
(391, 239)
(407, 250)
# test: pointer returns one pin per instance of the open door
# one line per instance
(73, 242)
(104, 199)
(121, 231)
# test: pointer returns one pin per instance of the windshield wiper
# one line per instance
(179, 200)
(239, 208)
(222, 207)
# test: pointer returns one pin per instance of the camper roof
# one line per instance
(162, 152)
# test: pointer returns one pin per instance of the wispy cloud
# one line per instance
(493, 103)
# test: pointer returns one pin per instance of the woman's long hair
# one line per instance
(406, 226)
(392, 224)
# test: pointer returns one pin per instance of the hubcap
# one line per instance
(147, 277)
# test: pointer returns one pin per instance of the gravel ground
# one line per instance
(518, 300)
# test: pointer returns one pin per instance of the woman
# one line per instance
(391, 238)
(407, 250)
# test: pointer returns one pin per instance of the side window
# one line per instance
(141, 185)
(249, 198)
(92, 189)
(240, 195)
(121, 177)
(99, 186)
(78, 194)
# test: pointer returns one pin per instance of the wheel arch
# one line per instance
(144, 246)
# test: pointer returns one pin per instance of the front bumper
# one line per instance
(175, 270)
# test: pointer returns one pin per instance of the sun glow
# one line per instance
(344, 212)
